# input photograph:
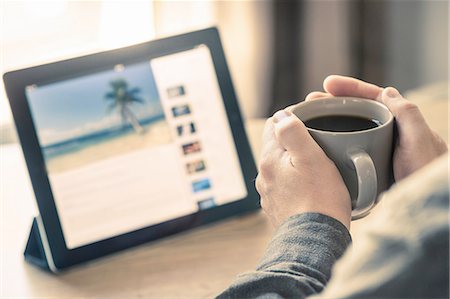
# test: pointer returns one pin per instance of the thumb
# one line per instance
(290, 132)
(408, 116)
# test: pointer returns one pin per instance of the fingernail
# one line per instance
(392, 92)
(280, 115)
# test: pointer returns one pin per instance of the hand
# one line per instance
(295, 175)
(417, 144)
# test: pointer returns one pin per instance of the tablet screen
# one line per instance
(136, 145)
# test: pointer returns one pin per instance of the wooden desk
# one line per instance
(195, 264)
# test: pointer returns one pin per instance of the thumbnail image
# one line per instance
(200, 185)
(185, 129)
(98, 116)
(192, 147)
(176, 91)
(181, 110)
(195, 166)
(206, 203)
(192, 127)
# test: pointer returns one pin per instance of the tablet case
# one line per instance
(34, 251)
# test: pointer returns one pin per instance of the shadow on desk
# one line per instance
(196, 264)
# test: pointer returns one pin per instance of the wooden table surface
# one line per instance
(195, 264)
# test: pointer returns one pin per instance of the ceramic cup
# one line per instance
(363, 157)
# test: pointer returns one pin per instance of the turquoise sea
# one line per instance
(79, 143)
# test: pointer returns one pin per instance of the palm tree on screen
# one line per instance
(122, 98)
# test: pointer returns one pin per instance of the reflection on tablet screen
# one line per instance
(136, 145)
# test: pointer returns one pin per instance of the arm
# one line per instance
(298, 260)
(296, 177)
(403, 251)
(303, 195)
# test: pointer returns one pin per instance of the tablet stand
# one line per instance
(34, 251)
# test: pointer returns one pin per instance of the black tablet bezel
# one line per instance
(15, 85)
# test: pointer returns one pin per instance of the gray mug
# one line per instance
(363, 157)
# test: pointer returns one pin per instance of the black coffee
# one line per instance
(342, 123)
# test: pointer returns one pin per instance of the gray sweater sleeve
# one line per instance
(402, 253)
(297, 262)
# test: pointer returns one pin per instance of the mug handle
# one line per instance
(367, 183)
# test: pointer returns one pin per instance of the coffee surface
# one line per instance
(341, 123)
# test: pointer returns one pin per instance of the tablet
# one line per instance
(132, 145)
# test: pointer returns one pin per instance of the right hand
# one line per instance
(417, 144)
(296, 176)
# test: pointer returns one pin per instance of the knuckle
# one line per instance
(407, 106)
(268, 122)
(263, 203)
(265, 168)
(440, 144)
(268, 130)
(406, 109)
(259, 184)
(286, 128)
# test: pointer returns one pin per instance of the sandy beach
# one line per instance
(157, 133)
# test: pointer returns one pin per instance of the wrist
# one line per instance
(339, 210)
(344, 218)
(309, 239)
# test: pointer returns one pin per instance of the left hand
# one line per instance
(295, 175)
(417, 144)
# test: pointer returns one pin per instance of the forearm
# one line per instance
(297, 262)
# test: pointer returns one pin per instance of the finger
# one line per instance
(317, 95)
(346, 86)
(441, 145)
(259, 185)
(271, 153)
(291, 133)
(271, 147)
(408, 116)
(268, 132)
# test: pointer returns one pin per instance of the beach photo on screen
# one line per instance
(97, 116)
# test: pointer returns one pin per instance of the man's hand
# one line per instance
(417, 144)
(295, 175)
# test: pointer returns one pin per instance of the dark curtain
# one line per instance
(366, 38)
(288, 54)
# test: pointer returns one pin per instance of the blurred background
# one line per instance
(277, 51)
